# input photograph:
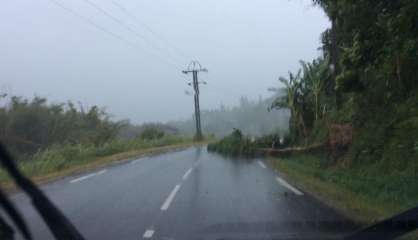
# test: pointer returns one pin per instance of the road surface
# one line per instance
(188, 194)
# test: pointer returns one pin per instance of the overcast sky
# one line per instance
(130, 62)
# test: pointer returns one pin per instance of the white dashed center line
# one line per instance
(170, 198)
(261, 164)
(186, 175)
(87, 176)
(288, 186)
(148, 233)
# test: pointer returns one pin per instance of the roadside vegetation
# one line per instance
(50, 138)
(235, 144)
(362, 191)
(359, 100)
(55, 159)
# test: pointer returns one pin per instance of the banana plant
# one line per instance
(314, 75)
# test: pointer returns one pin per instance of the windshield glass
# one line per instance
(210, 119)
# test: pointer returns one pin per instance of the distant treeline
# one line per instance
(250, 116)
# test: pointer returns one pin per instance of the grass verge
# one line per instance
(59, 162)
(362, 195)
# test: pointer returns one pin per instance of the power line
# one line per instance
(157, 35)
(91, 22)
(110, 33)
(123, 24)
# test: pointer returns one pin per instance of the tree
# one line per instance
(379, 35)
(27, 126)
(293, 101)
(314, 75)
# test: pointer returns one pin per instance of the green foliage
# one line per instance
(314, 77)
(387, 134)
(28, 126)
(375, 47)
(374, 34)
(234, 144)
(151, 133)
(304, 94)
(273, 140)
(51, 137)
(398, 190)
(319, 133)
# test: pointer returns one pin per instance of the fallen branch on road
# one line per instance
(291, 150)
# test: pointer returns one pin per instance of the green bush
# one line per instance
(28, 126)
(273, 141)
(234, 144)
(151, 133)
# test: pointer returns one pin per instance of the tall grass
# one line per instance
(382, 194)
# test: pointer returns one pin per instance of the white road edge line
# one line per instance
(87, 176)
(288, 186)
(170, 198)
(186, 175)
(148, 233)
(261, 164)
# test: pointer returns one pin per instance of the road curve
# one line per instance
(188, 194)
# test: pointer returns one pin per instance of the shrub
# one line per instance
(274, 140)
(234, 144)
(151, 133)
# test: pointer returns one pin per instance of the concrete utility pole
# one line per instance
(195, 67)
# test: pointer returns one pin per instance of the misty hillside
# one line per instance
(250, 116)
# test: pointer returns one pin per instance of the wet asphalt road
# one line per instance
(188, 194)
